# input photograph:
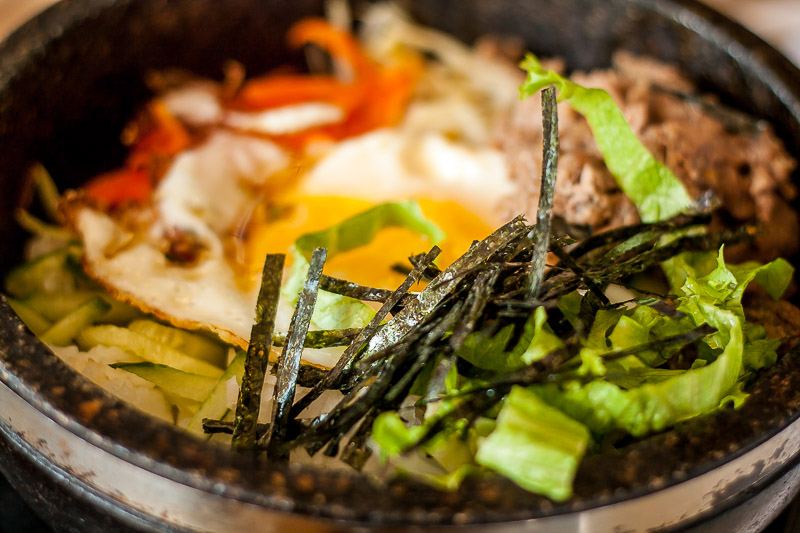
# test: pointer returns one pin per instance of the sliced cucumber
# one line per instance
(67, 329)
(47, 191)
(171, 380)
(48, 272)
(184, 408)
(195, 345)
(145, 348)
(216, 405)
(120, 313)
(38, 227)
(35, 322)
(55, 306)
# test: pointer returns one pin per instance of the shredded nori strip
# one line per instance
(541, 232)
(289, 361)
(307, 375)
(360, 292)
(392, 381)
(623, 233)
(324, 338)
(486, 291)
(255, 364)
(430, 272)
(355, 452)
(332, 378)
(555, 367)
(443, 284)
(211, 426)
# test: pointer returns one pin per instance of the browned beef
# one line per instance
(780, 318)
(706, 146)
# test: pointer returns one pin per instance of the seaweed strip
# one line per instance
(473, 406)
(692, 243)
(324, 338)
(437, 385)
(424, 353)
(289, 362)
(570, 264)
(355, 452)
(360, 292)
(568, 281)
(359, 400)
(541, 232)
(443, 284)
(476, 302)
(554, 367)
(430, 272)
(623, 233)
(212, 426)
(689, 337)
(332, 377)
(255, 364)
(307, 376)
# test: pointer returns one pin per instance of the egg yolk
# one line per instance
(275, 229)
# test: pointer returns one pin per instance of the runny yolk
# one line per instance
(370, 264)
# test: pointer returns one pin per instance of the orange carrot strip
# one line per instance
(162, 137)
(120, 186)
(275, 91)
(341, 45)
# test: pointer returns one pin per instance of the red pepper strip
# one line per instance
(279, 90)
(390, 93)
(164, 138)
(120, 186)
(276, 91)
(377, 97)
(161, 136)
(341, 45)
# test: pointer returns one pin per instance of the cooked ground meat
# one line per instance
(705, 145)
(780, 318)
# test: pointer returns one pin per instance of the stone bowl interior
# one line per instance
(71, 78)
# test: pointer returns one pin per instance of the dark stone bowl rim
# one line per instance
(31, 370)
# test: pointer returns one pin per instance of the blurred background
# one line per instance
(776, 21)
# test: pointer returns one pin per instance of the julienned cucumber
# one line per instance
(54, 306)
(183, 384)
(192, 344)
(48, 272)
(36, 322)
(215, 405)
(67, 329)
(145, 348)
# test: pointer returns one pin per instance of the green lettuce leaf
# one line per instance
(360, 229)
(652, 187)
(334, 311)
(534, 445)
(491, 353)
(658, 403)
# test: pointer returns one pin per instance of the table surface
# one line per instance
(776, 21)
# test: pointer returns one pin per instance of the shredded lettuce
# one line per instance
(666, 397)
(652, 187)
(334, 311)
(361, 229)
(534, 445)
(491, 353)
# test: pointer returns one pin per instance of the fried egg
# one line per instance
(237, 195)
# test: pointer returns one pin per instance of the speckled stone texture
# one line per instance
(70, 79)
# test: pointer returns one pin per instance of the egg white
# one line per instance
(210, 187)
